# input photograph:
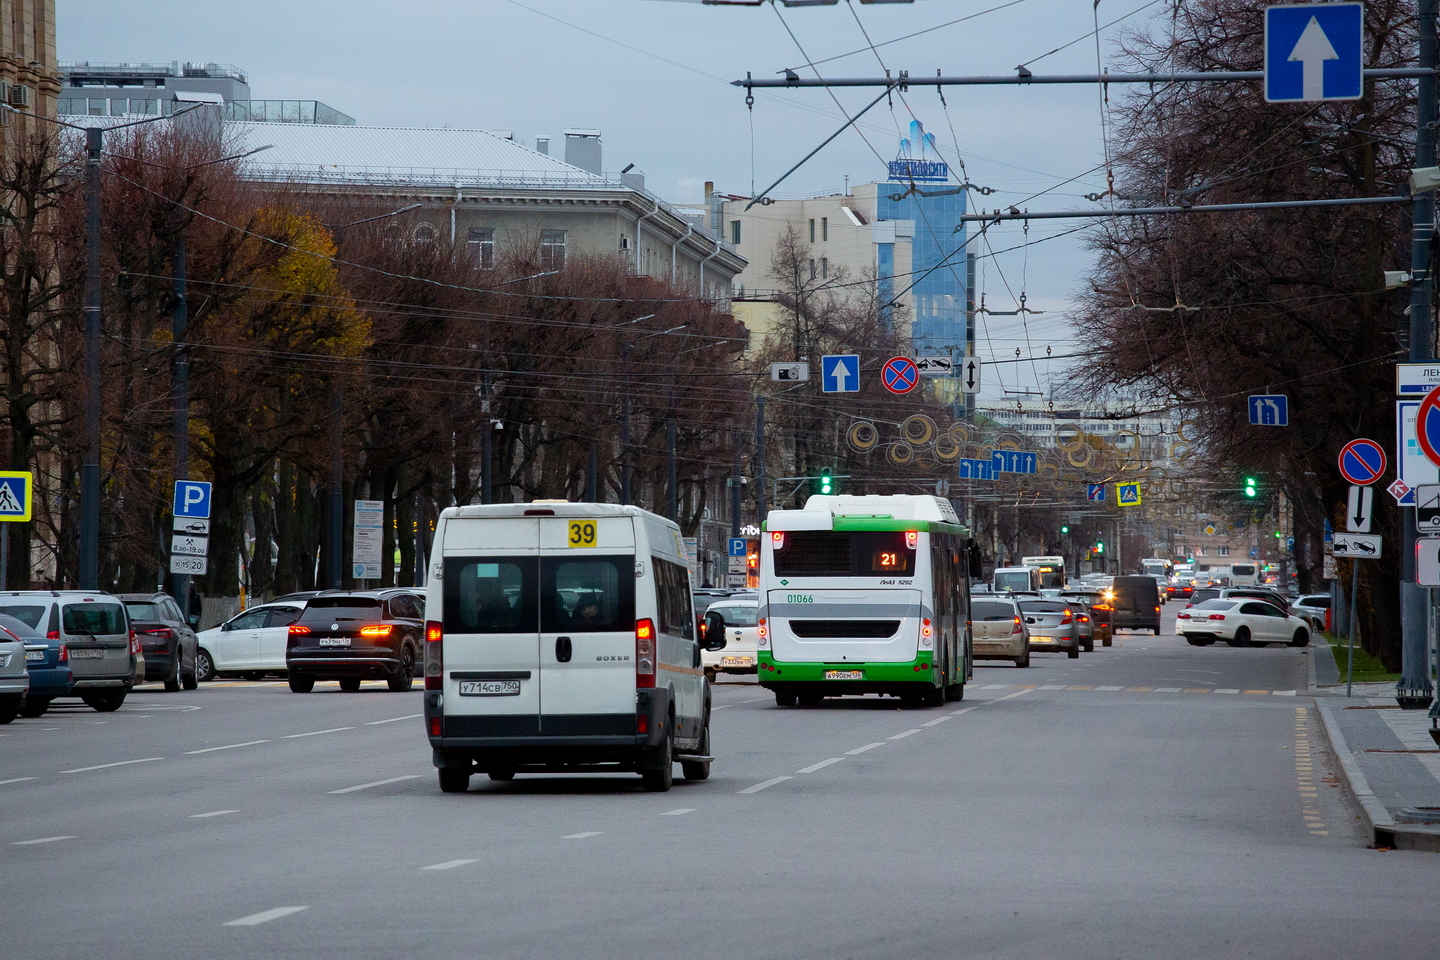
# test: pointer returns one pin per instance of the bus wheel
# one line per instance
(783, 699)
(956, 691)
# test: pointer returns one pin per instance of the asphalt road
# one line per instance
(1148, 800)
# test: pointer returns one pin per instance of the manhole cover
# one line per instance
(1419, 815)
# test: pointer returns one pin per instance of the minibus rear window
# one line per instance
(491, 595)
(588, 596)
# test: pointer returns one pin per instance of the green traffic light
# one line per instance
(1250, 487)
(827, 483)
(1064, 529)
(1100, 547)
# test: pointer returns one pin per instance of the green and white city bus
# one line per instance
(865, 595)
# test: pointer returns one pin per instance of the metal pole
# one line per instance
(336, 540)
(1350, 644)
(487, 433)
(1414, 689)
(180, 387)
(735, 477)
(4, 556)
(89, 573)
(625, 470)
(759, 461)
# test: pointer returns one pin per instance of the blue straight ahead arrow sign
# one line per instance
(1314, 52)
(840, 373)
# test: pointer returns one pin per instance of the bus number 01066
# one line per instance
(799, 598)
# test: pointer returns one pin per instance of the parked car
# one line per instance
(250, 644)
(1136, 605)
(1051, 625)
(997, 630)
(48, 663)
(104, 653)
(166, 638)
(736, 619)
(357, 635)
(1242, 622)
(14, 677)
(1313, 608)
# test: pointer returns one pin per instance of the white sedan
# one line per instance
(1241, 622)
(251, 643)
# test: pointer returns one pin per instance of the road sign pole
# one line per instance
(1414, 688)
(1350, 642)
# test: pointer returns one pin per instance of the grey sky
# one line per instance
(528, 66)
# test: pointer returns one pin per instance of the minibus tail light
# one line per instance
(645, 653)
(434, 655)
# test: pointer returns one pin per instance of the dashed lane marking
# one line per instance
(857, 750)
(1108, 688)
(107, 766)
(377, 783)
(264, 916)
(678, 813)
(1079, 688)
(1227, 691)
(316, 733)
(583, 836)
(212, 813)
(819, 766)
(449, 864)
(936, 722)
(230, 746)
(767, 783)
(906, 733)
(412, 716)
(1167, 689)
(1053, 686)
(16, 780)
(31, 843)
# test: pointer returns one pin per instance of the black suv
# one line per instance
(355, 635)
(166, 638)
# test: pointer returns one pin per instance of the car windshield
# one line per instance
(989, 610)
(1043, 606)
(738, 614)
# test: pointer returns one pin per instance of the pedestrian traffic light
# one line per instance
(1252, 487)
(827, 482)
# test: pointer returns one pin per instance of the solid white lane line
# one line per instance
(996, 686)
(413, 716)
(264, 916)
(378, 783)
(582, 836)
(31, 843)
(448, 864)
(1109, 688)
(231, 746)
(868, 746)
(768, 783)
(316, 733)
(16, 780)
(819, 766)
(106, 766)
(212, 813)
(678, 813)
(902, 736)
(936, 722)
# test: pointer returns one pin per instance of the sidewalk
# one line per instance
(1385, 753)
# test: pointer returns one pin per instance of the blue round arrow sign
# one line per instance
(1362, 462)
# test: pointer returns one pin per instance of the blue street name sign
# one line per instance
(192, 499)
(735, 546)
(1314, 52)
(1015, 461)
(976, 470)
(1095, 491)
(1270, 410)
(840, 373)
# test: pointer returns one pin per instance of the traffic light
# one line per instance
(1100, 546)
(827, 482)
(1252, 487)
(1065, 530)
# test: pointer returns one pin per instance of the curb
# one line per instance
(1384, 831)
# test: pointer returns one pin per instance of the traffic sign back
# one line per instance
(1362, 461)
(900, 375)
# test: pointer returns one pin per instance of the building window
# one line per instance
(423, 234)
(812, 269)
(812, 229)
(735, 233)
(481, 247)
(552, 249)
(1202, 552)
(1222, 552)
(825, 268)
(824, 228)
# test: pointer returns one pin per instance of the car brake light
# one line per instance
(296, 630)
(434, 656)
(134, 644)
(1182, 616)
(645, 653)
(375, 630)
(1017, 626)
(53, 635)
(1081, 618)
(1217, 616)
(64, 653)
(1066, 619)
(164, 633)
(435, 727)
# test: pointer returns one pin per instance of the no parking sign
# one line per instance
(1427, 426)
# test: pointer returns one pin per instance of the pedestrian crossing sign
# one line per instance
(15, 489)
(1127, 494)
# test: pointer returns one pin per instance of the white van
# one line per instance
(1244, 574)
(563, 639)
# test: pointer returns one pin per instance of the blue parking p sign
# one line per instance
(1314, 52)
(736, 546)
(192, 499)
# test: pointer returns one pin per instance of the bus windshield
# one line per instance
(830, 553)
